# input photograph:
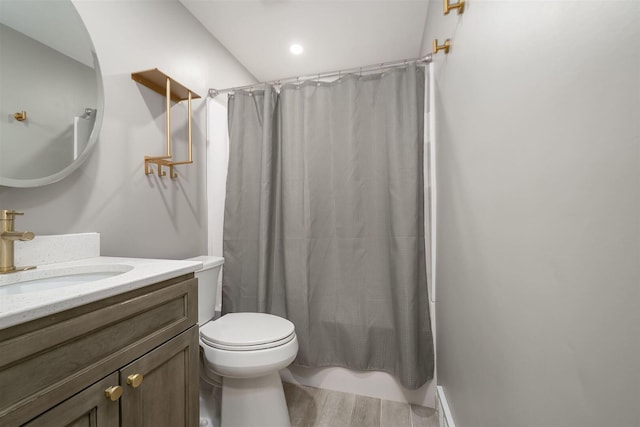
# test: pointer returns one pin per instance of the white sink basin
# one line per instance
(46, 280)
(58, 286)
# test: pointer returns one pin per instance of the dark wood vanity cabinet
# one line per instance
(128, 360)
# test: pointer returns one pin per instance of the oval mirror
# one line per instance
(51, 96)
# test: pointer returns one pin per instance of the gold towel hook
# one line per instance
(20, 116)
(448, 7)
(446, 46)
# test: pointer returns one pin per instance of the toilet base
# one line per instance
(210, 399)
(254, 402)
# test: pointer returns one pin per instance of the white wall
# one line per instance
(138, 215)
(539, 204)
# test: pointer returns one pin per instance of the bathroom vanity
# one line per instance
(116, 351)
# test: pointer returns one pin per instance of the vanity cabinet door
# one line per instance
(89, 408)
(165, 391)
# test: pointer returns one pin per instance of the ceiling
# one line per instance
(336, 35)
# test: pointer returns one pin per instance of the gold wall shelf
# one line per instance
(160, 83)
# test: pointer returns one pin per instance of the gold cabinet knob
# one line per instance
(113, 393)
(134, 380)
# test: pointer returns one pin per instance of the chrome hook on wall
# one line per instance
(448, 7)
(446, 46)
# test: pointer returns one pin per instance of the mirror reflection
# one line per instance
(49, 92)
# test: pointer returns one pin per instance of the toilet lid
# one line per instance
(245, 331)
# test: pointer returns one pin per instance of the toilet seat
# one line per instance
(247, 347)
(247, 332)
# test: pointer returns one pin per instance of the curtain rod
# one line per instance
(366, 69)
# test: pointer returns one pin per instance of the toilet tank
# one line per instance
(207, 286)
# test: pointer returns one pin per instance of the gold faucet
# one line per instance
(7, 236)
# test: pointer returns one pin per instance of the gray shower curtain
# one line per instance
(324, 219)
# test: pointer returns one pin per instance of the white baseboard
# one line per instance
(373, 384)
(445, 418)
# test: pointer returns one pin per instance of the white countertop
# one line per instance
(23, 307)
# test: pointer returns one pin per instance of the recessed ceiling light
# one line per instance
(296, 49)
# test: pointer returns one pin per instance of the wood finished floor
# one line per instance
(316, 407)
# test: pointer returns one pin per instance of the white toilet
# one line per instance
(247, 350)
